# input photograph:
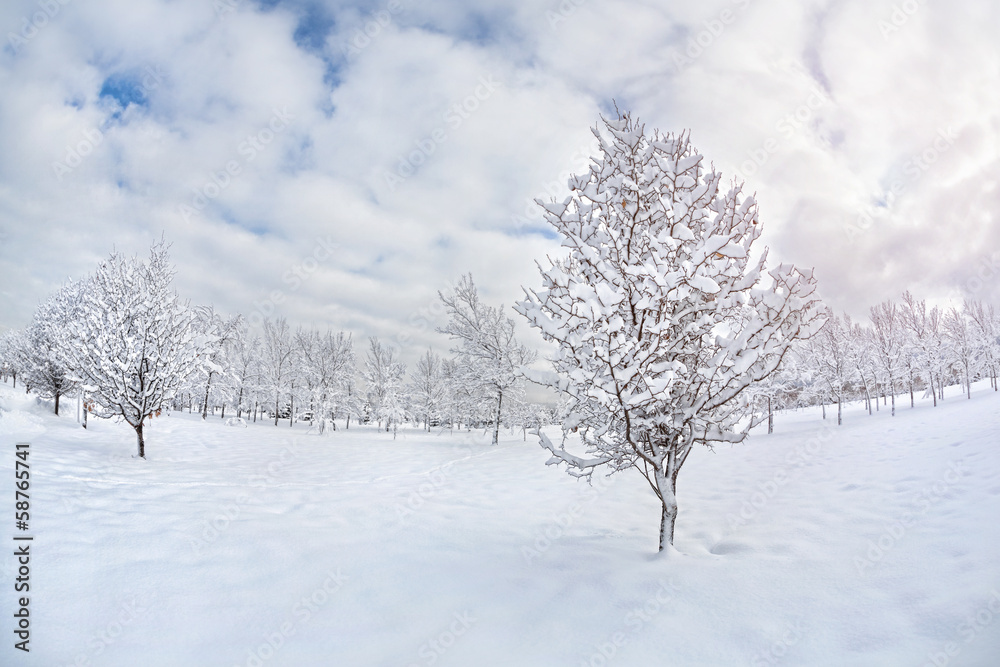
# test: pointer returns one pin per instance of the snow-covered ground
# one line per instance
(875, 543)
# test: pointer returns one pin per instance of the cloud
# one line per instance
(412, 138)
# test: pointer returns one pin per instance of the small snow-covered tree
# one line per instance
(488, 351)
(46, 366)
(244, 355)
(327, 363)
(134, 342)
(887, 342)
(384, 376)
(215, 363)
(278, 361)
(427, 388)
(831, 359)
(924, 328)
(961, 344)
(662, 320)
(986, 336)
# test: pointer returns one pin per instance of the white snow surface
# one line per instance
(873, 543)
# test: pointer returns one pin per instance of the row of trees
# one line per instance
(126, 346)
(903, 348)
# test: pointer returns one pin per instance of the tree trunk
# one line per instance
(496, 428)
(57, 403)
(668, 510)
(824, 409)
(839, 412)
(275, 408)
(770, 417)
(223, 411)
(291, 407)
(142, 444)
(204, 406)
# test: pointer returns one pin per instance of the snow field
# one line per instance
(875, 543)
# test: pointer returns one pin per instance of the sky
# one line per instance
(340, 163)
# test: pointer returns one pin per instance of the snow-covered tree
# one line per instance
(327, 362)
(278, 361)
(923, 326)
(244, 355)
(986, 337)
(133, 343)
(662, 320)
(46, 363)
(887, 342)
(221, 331)
(961, 345)
(427, 388)
(488, 351)
(384, 376)
(831, 358)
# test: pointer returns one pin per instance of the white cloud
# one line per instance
(811, 103)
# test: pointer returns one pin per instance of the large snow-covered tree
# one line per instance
(488, 351)
(661, 318)
(133, 343)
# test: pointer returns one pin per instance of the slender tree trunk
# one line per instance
(223, 411)
(141, 443)
(57, 403)
(204, 406)
(840, 412)
(291, 407)
(912, 404)
(496, 428)
(892, 390)
(770, 417)
(823, 403)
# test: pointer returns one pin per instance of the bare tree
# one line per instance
(487, 350)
